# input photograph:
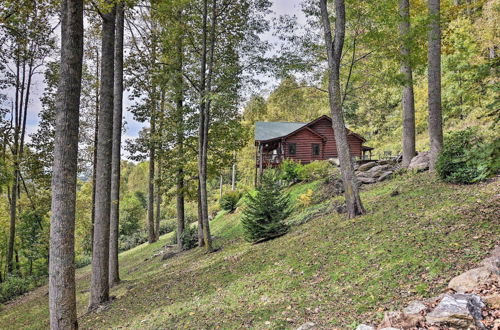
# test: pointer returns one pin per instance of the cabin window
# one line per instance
(315, 149)
(292, 148)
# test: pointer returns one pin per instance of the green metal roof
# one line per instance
(270, 130)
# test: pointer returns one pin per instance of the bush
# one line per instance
(168, 225)
(265, 212)
(316, 170)
(467, 158)
(82, 260)
(127, 242)
(289, 171)
(189, 237)
(229, 200)
(14, 286)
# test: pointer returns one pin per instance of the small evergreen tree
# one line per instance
(264, 216)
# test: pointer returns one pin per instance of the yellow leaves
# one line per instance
(305, 199)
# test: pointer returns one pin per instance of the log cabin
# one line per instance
(302, 142)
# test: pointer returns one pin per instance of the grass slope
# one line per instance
(331, 271)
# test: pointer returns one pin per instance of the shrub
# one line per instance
(467, 158)
(317, 170)
(14, 286)
(127, 242)
(168, 225)
(306, 198)
(229, 200)
(82, 260)
(265, 212)
(189, 237)
(289, 171)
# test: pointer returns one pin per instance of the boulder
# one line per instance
(365, 180)
(400, 320)
(365, 327)
(385, 176)
(167, 255)
(470, 280)
(307, 326)
(458, 310)
(492, 300)
(420, 162)
(415, 307)
(366, 166)
(493, 262)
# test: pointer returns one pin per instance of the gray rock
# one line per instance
(415, 307)
(385, 176)
(366, 166)
(365, 180)
(420, 162)
(167, 255)
(365, 327)
(307, 326)
(459, 310)
(470, 280)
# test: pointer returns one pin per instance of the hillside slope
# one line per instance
(331, 271)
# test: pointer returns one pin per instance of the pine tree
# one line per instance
(264, 216)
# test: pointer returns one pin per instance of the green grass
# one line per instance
(330, 270)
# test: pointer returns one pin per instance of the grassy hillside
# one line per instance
(331, 271)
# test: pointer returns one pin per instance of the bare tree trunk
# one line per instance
(233, 174)
(201, 241)
(62, 295)
(114, 274)
(434, 89)
(203, 143)
(179, 100)
(99, 290)
(158, 205)
(151, 190)
(408, 100)
(334, 49)
(96, 129)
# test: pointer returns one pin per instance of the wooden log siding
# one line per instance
(304, 140)
(319, 132)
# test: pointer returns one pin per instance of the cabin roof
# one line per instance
(271, 130)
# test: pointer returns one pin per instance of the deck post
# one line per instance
(261, 162)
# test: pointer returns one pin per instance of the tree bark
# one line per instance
(62, 295)
(94, 165)
(408, 100)
(201, 241)
(334, 49)
(203, 129)
(179, 99)
(434, 88)
(158, 204)
(151, 189)
(114, 274)
(99, 290)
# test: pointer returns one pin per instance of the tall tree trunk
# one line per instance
(99, 290)
(158, 204)
(114, 274)
(434, 89)
(334, 49)
(62, 295)
(96, 129)
(408, 99)
(201, 241)
(151, 189)
(179, 100)
(202, 157)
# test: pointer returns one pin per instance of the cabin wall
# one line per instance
(324, 127)
(304, 140)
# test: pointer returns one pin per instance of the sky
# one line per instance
(279, 7)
